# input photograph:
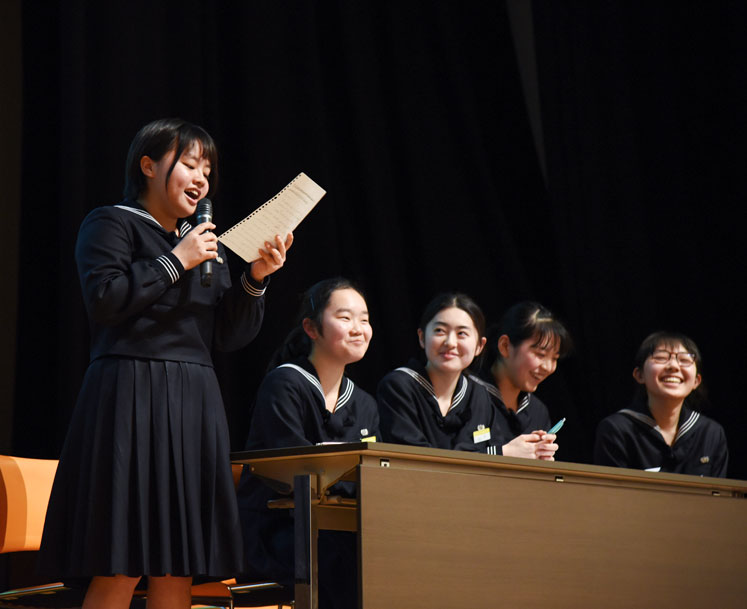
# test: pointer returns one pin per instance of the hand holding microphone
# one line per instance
(200, 245)
(205, 214)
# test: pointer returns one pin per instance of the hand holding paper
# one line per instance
(278, 217)
(272, 258)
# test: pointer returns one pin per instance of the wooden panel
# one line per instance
(440, 539)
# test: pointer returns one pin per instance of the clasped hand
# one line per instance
(535, 445)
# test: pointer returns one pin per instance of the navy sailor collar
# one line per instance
(306, 369)
(640, 412)
(493, 390)
(137, 209)
(418, 372)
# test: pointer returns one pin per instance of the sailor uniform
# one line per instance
(410, 413)
(631, 438)
(144, 484)
(531, 415)
(290, 411)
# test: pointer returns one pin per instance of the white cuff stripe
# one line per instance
(171, 270)
(249, 288)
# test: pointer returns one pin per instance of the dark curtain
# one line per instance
(643, 109)
(411, 116)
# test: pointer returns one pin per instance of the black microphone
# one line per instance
(204, 213)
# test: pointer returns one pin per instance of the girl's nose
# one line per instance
(548, 365)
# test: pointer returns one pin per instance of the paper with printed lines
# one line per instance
(279, 216)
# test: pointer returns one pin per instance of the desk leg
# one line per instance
(305, 540)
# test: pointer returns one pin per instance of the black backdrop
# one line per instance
(411, 115)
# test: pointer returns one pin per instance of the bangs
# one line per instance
(529, 321)
(549, 333)
(666, 340)
(159, 137)
(190, 135)
(204, 142)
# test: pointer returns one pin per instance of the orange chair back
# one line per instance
(25, 486)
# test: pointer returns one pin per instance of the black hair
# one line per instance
(458, 300)
(159, 137)
(525, 321)
(313, 304)
(662, 338)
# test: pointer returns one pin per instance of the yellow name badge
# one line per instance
(369, 439)
(481, 435)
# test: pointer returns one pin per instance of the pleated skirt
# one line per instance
(144, 484)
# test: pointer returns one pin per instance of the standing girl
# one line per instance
(522, 351)
(661, 431)
(144, 485)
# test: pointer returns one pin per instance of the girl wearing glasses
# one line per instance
(661, 431)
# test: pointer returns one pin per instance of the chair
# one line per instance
(230, 594)
(25, 486)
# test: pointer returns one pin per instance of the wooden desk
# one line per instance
(451, 529)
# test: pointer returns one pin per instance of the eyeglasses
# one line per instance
(662, 356)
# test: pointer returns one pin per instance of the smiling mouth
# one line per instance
(192, 193)
(672, 379)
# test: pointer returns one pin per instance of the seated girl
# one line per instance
(435, 404)
(306, 400)
(521, 352)
(661, 430)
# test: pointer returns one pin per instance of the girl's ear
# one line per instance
(638, 375)
(147, 166)
(310, 328)
(421, 338)
(480, 346)
(503, 344)
(697, 381)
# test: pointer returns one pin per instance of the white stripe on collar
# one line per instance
(651, 422)
(687, 425)
(140, 212)
(643, 418)
(346, 386)
(426, 384)
(494, 391)
(183, 229)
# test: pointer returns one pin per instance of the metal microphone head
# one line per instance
(204, 211)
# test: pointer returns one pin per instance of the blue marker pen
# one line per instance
(556, 428)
